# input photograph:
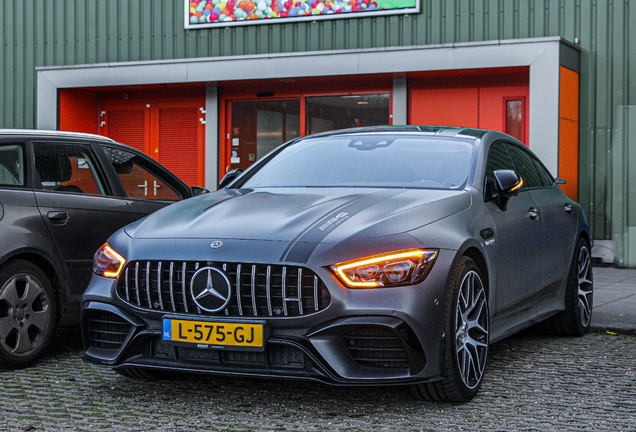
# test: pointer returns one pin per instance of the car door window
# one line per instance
(140, 178)
(66, 167)
(11, 165)
(546, 178)
(525, 167)
(498, 159)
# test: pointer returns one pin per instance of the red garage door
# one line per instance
(173, 133)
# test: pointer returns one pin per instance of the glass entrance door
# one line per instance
(259, 126)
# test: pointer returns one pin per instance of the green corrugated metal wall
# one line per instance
(66, 32)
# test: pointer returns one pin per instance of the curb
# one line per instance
(613, 328)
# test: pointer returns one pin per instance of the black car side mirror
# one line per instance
(229, 177)
(508, 184)
(198, 190)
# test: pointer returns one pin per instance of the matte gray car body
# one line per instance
(523, 262)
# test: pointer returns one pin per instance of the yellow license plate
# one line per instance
(209, 333)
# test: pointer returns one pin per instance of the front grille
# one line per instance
(258, 290)
(376, 346)
(106, 330)
(275, 355)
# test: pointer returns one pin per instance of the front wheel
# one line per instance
(27, 313)
(466, 347)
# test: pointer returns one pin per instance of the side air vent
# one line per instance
(106, 330)
(376, 346)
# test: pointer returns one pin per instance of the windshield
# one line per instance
(368, 160)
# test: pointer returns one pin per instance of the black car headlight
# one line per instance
(406, 267)
(107, 262)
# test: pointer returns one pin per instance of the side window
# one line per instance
(11, 165)
(524, 164)
(139, 178)
(498, 159)
(546, 178)
(66, 167)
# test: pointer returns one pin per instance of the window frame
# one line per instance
(100, 171)
(25, 165)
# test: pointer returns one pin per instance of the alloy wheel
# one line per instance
(24, 314)
(584, 268)
(471, 329)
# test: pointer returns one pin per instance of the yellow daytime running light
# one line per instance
(341, 268)
(110, 251)
(517, 186)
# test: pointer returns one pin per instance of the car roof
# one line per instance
(449, 131)
(54, 134)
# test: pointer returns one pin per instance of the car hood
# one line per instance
(328, 215)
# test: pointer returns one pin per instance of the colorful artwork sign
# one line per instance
(213, 13)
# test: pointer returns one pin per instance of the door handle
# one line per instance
(156, 186)
(145, 186)
(569, 208)
(58, 217)
(533, 213)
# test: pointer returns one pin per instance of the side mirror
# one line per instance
(560, 181)
(198, 190)
(229, 177)
(508, 184)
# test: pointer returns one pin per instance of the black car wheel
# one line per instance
(466, 347)
(27, 313)
(576, 318)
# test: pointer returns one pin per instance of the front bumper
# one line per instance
(367, 337)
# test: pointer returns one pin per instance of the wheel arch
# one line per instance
(476, 254)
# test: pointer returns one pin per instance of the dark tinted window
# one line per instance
(368, 160)
(524, 164)
(11, 165)
(498, 159)
(546, 178)
(69, 168)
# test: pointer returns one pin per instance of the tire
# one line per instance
(465, 350)
(138, 373)
(27, 313)
(575, 319)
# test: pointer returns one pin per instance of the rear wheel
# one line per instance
(27, 313)
(466, 350)
(576, 318)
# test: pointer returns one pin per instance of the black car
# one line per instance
(373, 256)
(61, 196)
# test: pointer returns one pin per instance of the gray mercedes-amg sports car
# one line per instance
(369, 256)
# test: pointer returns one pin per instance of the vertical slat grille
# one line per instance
(261, 291)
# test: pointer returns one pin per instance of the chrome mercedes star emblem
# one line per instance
(216, 244)
(210, 289)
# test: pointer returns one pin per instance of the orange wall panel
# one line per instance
(569, 95)
(444, 107)
(78, 111)
(569, 131)
(569, 157)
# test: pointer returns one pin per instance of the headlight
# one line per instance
(107, 262)
(407, 267)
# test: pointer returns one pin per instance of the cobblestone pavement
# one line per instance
(533, 382)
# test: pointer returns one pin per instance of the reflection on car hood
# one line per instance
(329, 215)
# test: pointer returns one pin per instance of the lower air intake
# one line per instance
(376, 346)
(106, 330)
